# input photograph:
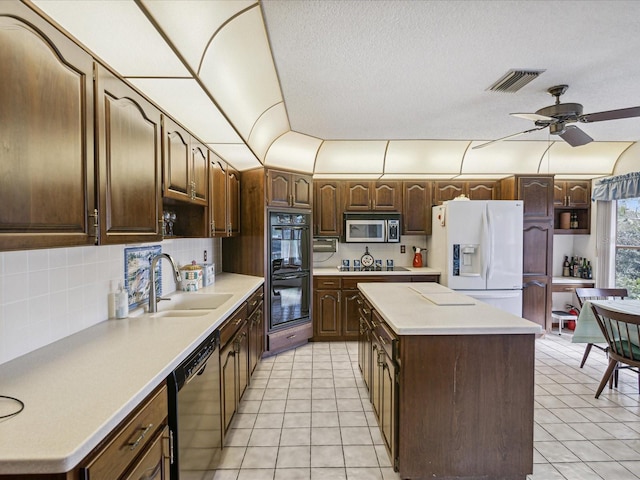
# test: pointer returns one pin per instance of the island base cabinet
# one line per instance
(466, 407)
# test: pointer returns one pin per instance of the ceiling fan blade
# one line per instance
(575, 137)
(611, 115)
(534, 117)
(508, 136)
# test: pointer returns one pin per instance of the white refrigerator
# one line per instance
(477, 245)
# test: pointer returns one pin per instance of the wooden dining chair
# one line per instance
(622, 331)
(585, 294)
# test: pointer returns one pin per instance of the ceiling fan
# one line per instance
(558, 116)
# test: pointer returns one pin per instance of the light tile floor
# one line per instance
(306, 416)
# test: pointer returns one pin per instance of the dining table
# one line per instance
(587, 329)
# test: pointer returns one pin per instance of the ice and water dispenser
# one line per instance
(466, 260)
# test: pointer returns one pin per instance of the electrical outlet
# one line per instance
(403, 249)
(205, 255)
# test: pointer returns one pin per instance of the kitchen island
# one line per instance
(451, 381)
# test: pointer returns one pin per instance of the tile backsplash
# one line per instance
(381, 251)
(46, 295)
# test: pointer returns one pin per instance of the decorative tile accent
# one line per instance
(137, 264)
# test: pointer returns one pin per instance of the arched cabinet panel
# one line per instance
(46, 154)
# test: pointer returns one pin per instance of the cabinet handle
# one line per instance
(96, 226)
(291, 336)
(383, 341)
(237, 322)
(133, 445)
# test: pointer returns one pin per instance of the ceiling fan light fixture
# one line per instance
(514, 80)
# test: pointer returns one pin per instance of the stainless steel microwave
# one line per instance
(371, 227)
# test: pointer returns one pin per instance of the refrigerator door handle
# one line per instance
(486, 244)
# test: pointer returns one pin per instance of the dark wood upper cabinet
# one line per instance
(288, 189)
(185, 165)
(129, 163)
(367, 195)
(572, 193)
(233, 201)
(47, 188)
(416, 208)
(537, 193)
(218, 196)
(327, 208)
(444, 191)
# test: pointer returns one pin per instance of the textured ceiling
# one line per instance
(352, 69)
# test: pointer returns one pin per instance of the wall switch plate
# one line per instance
(403, 249)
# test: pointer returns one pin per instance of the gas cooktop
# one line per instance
(372, 269)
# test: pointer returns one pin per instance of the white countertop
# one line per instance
(80, 388)
(426, 308)
(571, 280)
(410, 271)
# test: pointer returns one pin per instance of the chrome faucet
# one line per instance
(153, 300)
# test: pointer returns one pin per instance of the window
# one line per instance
(628, 246)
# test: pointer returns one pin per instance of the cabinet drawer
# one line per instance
(232, 325)
(331, 283)
(291, 336)
(364, 308)
(254, 300)
(387, 338)
(111, 460)
(351, 283)
(155, 462)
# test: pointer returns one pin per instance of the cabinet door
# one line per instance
(228, 389)
(278, 188)
(47, 122)
(483, 190)
(376, 368)
(233, 202)
(388, 406)
(218, 196)
(537, 193)
(199, 174)
(537, 241)
(256, 337)
(327, 208)
(350, 318)
(536, 300)
(386, 196)
(444, 191)
(559, 193)
(241, 345)
(578, 193)
(129, 163)
(302, 191)
(357, 196)
(177, 159)
(326, 312)
(416, 208)
(364, 351)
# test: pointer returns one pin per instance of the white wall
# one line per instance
(48, 294)
(381, 251)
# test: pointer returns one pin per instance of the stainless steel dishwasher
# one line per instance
(194, 411)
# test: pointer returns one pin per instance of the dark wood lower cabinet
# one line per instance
(336, 303)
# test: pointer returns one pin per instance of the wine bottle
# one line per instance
(589, 271)
(565, 267)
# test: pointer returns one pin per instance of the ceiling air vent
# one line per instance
(514, 80)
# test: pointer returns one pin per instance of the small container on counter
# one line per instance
(191, 277)
(122, 302)
(209, 274)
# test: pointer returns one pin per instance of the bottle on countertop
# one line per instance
(565, 267)
(122, 302)
(571, 265)
(589, 271)
(111, 301)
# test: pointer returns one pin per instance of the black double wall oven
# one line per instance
(290, 268)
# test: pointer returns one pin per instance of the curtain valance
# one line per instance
(618, 187)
